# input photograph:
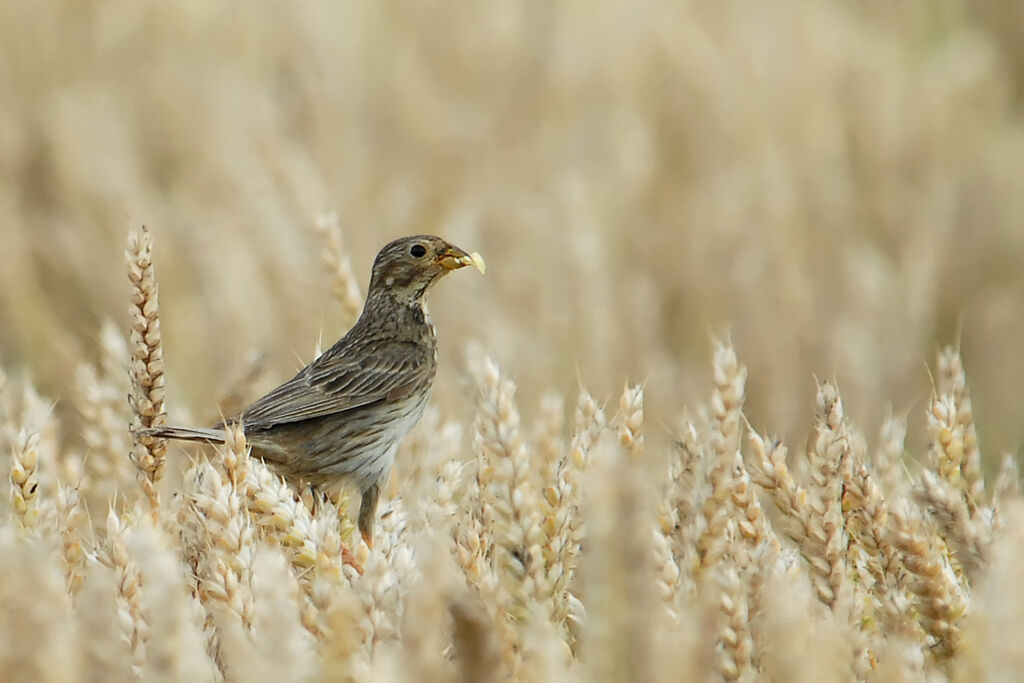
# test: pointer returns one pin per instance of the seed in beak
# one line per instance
(478, 262)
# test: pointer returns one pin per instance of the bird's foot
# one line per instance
(349, 558)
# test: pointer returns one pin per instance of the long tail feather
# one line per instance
(185, 433)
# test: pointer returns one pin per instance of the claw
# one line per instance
(347, 557)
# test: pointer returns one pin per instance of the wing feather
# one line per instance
(335, 383)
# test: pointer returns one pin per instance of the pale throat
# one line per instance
(430, 326)
(428, 321)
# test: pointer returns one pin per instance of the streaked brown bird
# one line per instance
(340, 419)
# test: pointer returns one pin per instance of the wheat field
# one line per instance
(738, 398)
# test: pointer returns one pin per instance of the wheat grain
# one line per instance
(940, 599)
(828, 454)
(888, 463)
(667, 575)
(171, 613)
(106, 653)
(631, 420)
(952, 381)
(799, 640)
(726, 404)
(217, 541)
(284, 649)
(559, 557)
(101, 404)
(37, 625)
(680, 511)
(990, 646)
(832, 182)
(25, 480)
(735, 650)
(512, 502)
(867, 520)
(969, 538)
(344, 284)
(67, 522)
(146, 367)
(771, 473)
(115, 555)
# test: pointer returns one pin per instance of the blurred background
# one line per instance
(837, 187)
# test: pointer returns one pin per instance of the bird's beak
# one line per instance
(453, 258)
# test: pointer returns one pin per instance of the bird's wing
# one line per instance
(335, 383)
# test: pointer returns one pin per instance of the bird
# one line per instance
(340, 419)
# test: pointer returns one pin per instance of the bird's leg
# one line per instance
(368, 512)
(316, 499)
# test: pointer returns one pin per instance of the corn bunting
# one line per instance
(340, 419)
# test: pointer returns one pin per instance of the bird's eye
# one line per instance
(418, 250)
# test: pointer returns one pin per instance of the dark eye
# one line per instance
(418, 250)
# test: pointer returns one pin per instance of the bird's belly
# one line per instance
(358, 447)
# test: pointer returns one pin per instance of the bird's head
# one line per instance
(407, 267)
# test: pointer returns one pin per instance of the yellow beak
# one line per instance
(454, 258)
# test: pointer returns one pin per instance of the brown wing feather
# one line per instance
(336, 382)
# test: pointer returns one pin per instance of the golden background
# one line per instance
(837, 187)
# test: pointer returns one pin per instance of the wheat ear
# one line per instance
(146, 367)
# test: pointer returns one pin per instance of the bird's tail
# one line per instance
(184, 433)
